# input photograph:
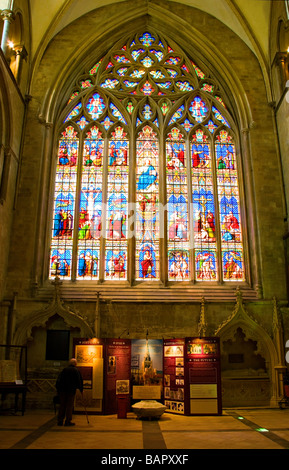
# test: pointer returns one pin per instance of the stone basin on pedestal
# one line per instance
(150, 409)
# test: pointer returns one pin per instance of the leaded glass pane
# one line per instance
(181, 152)
(147, 199)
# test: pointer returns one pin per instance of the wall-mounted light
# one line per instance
(10, 45)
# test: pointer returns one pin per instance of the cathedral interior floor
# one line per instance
(242, 429)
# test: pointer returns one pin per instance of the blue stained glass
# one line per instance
(219, 116)
(95, 106)
(187, 125)
(203, 201)
(129, 84)
(74, 112)
(164, 85)
(147, 39)
(135, 54)
(172, 73)
(184, 86)
(233, 265)
(110, 83)
(88, 263)
(137, 73)
(156, 74)
(64, 207)
(177, 115)
(159, 55)
(147, 62)
(107, 123)
(60, 263)
(116, 113)
(211, 126)
(82, 122)
(198, 109)
(122, 71)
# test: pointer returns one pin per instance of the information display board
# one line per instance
(89, 354)
(174, 375)
(117, 373)
(202, 376)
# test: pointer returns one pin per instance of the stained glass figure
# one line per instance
(229, 207)
(90, 207)
(206, 265)
(64, 204)
(177, 204)
(146, 98)
(95, 106)
(203, 200)
(198, 109)
(147, 194)
(117, 206)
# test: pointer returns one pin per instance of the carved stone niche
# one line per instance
(40, 317)
(248, 359)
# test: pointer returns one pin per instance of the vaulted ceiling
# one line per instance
(250, 19)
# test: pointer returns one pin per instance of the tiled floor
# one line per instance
(236, 429)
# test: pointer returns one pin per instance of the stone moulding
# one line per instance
(39, 318)
(269, 348)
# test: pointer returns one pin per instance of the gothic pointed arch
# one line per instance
(145, 125)
(40, 318)
(266, 347)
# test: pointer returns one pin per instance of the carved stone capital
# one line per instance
(8, 15)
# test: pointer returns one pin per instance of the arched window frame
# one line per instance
(132, 122)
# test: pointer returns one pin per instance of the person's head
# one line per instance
(73, 362)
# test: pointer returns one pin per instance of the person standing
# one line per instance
(68, 381)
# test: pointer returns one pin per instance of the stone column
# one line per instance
(8, 17)
(21, 54)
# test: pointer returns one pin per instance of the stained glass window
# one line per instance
(147, 186)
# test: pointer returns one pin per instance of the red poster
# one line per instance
(117, 372)
(203, 376)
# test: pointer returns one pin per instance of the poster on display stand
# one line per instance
(203, 376)
(89, 354)
(147, 369)
(174, 375)
(117, 374)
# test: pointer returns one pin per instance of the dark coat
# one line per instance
(69, 380)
